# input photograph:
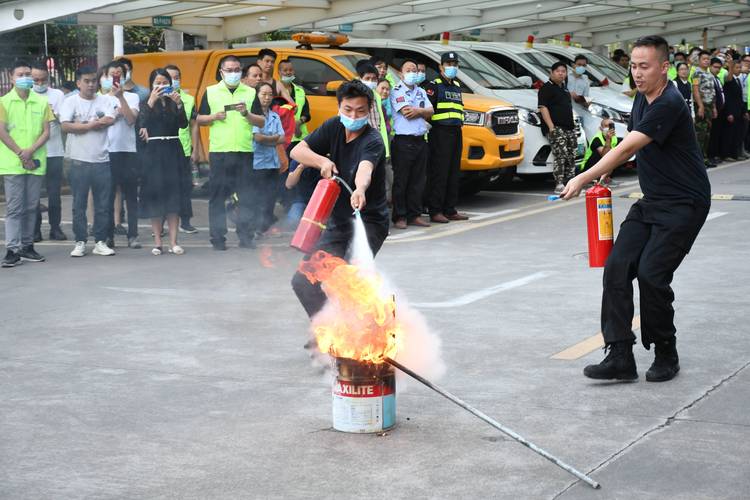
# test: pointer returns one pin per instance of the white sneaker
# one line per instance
(79, 250)
(101, 248)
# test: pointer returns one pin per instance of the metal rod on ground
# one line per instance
(495, 424)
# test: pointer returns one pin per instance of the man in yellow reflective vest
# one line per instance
(297, 93)
(25, 117)
(230, 109)
(445, 141)
(602, 143)
(190, 140)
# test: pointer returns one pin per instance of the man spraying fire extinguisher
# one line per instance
(660, 229)
(346, 147)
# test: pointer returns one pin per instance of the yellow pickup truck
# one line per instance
(318, 71)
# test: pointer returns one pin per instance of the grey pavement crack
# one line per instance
(667, 422)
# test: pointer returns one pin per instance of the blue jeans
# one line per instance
(21, 200)
(295, 213)
(96, 177)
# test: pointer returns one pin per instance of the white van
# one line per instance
(481, 76)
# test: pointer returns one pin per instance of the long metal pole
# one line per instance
(494, 423)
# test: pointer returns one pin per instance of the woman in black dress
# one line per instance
(684, 85)
(162, 117)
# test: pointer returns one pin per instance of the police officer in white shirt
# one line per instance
(578, 81)
(409, 151)
(55, 152)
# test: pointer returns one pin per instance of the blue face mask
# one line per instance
(232, 79)
(422, 77)
(106, 82)
(175, 84)
(24, 83)
(411, 78)
(580, 70)
(352, 124)
(451, 71)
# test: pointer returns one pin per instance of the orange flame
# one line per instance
(266, 257)
(364, 326)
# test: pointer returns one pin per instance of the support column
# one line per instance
(173, 41)
(104, 44)
(118, 34)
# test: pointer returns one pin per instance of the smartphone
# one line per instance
(168, 90)
(36, 163)
(230, 107)
(611, 126)
(116, 80)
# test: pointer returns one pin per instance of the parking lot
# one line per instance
(137, 376)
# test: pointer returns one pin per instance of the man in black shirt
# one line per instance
(556, 108)
(659, 229)
(346, 146)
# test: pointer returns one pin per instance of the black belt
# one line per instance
(410, 137)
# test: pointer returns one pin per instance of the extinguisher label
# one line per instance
(604, 215)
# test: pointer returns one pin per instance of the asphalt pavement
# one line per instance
(137, 376)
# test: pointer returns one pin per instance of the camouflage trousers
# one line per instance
(564, 146)
(703, 134)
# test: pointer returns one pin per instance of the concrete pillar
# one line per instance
(104, 44)
(118, 36)
(200, 42)
(173, 41)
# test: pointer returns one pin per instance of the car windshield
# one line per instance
(615, 73)
(486, 73)
(350, 61)
(540, 60)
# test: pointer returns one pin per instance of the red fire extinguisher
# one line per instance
(600, 225)
(317, 212)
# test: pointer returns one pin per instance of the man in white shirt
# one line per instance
(55, 152)
(85, 118)
(123, 156)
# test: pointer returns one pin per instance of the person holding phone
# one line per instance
(25, 118)
(602, 143)
(230, 109)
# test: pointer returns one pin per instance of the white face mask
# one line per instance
(370, 85)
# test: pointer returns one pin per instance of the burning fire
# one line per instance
(363, 325)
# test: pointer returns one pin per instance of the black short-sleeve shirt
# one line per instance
(330, 140)
(557, 101)
(671, 166)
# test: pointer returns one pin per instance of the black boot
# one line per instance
(619, 363)
(57, 234)
(666, 363)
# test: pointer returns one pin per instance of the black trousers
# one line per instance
(409, 156)
(336, 241)
(445, 145)
(714, 139)
(257, 191)
(654, 239)
(223, 178)
(53, 178)
(124, 168)
(731, 140)
(186, 191)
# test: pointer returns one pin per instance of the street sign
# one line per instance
(162, 21)
(346, 28)
(67, 20)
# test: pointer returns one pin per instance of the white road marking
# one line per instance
(494, 214)
(715, 215)
(404, 235)
(484, 293)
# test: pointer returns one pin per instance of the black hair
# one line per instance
(716, 60)
(85, 70)
(386, 80)
(556, 65)
(125, 60)
(158, 71)
(365, 69)
(19, 63)
(619, 59)
(352, 90)
(173, 68)
(680, 54)
(228, 58)
(247, 68)
(264, 84)
(743, 56)
(407, 60)
(657, 42)
(376, 59)
(68, 85)
(39, 65)
(617, 53)
(286, 61)
(581, 56)
(631, 80)
(266, 52)
(117, 63)
(703, 53)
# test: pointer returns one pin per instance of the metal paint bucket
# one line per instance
(364, 396)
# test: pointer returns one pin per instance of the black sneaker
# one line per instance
(12, 259)
(666, 363)
(38, 236)
(30, 254)
(57, 234)
(186, 227)
(120, 230)
(247, 243)
(619, 364)
(219, 245)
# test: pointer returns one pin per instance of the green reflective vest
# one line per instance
(233, 134)
(590, 151)
(186, 139)
(25, 123)
(299, 101)
(450, 107)
(383, 128)
(672, 73)
(722, 75)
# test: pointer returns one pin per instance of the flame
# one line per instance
(362, 322)
(266, 257)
